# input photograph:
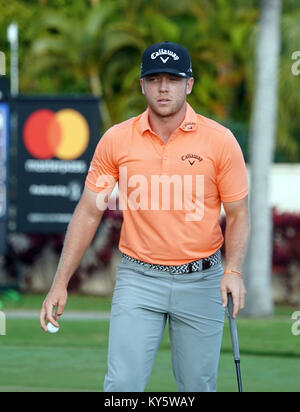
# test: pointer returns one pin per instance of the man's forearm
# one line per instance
(80, 233)
(236, 240)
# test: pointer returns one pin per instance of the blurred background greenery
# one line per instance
(95, 46)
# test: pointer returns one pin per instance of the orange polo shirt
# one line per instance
(170, 193)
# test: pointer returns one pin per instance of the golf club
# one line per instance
(235, 342)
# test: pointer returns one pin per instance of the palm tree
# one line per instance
(289, 103)
(82, 47)
(288, 131)
(101, 52)
(216, 42)
(264, 122)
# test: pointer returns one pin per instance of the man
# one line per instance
(174, 169)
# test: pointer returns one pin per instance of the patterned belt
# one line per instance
(196, 266)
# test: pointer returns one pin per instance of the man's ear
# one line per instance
(142, 85)
(189, 86)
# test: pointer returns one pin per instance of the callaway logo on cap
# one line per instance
(166, 57)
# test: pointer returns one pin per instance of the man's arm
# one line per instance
(80, 233)
(236, 240)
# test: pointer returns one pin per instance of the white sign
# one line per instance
(2, 324)
(2, 64)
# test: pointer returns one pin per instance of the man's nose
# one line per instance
(164, 84)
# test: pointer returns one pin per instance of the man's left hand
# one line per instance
(230, 283)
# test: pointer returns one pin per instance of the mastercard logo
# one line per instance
(64, 134)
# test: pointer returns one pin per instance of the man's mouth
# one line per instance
(163, 100)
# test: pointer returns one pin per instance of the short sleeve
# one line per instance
(232, 177)
(103, 172)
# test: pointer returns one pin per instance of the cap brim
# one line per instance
(170, 71)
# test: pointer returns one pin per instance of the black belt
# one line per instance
(196, 266)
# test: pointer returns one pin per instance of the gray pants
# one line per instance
(143, 300)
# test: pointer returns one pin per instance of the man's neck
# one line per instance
(165, 126)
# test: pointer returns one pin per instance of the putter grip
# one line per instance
(233, 329)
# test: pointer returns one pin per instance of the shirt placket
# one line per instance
(163, 149)
(166, 156)
(165, 165)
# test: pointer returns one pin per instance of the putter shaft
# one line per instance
(238, 375)
(235, 342)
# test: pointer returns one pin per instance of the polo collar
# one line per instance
(189, 123)
(144, 122)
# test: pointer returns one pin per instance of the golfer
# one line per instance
(175, 169)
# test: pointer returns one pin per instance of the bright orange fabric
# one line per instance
(201, 151)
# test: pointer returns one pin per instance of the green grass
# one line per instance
(75, 302)
(75, 358)
(90, 303)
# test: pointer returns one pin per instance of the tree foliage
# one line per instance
(95, 46)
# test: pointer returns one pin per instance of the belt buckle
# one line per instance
(206, 264)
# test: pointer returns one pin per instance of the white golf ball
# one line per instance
(51, 328)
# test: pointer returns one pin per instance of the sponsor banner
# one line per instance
(4, 135)
(56, 141)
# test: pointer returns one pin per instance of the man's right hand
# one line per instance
(81, 230)
(56, 299)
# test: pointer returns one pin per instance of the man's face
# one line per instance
(166, 93)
